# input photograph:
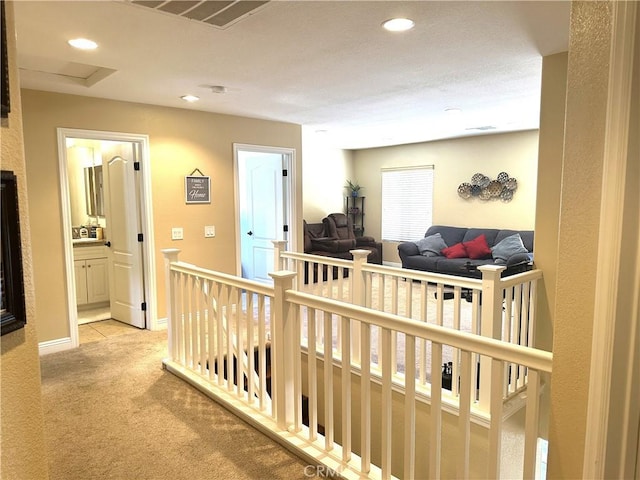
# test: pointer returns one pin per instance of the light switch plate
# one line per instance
(176, 233)
(209, 231)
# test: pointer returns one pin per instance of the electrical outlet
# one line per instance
(209, 231)
(176, 233)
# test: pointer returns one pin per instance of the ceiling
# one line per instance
(327, 65)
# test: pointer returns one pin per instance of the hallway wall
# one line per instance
(180, 141)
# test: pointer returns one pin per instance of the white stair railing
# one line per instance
(495, 307)
(291, 315)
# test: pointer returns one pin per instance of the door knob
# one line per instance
(107, 244)
(249, 233)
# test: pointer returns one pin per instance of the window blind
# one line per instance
(407, 202)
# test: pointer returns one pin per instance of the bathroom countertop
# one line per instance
(81, 242)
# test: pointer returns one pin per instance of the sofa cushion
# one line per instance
(477, 248)
(455, 251)
(450, 235)
(431, 246)
(507, 247)
(489, 235)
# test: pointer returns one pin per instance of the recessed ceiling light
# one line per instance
(190, 98)
(398, 24)
(83, 44)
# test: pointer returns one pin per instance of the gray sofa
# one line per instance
(511, 248)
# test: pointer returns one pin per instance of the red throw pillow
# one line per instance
(455, 251)
(477, 248)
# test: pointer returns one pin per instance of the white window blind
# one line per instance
(407, 203)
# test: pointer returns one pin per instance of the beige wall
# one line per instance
(551, 145)
(22, 443)
(325, 173)
(180, 141)
(589, 49)
(455, 161)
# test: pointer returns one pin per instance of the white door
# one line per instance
(262, 212)
(126, 281)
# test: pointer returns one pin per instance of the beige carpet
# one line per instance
(112, 412)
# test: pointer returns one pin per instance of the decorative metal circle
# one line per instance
(464, 190)
(511, 184)
(475, 190)
(477, 179)
(485, 194)
(494, 188)
(506, 195)
(503, 177)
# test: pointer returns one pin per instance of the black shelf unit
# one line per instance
(354, 208)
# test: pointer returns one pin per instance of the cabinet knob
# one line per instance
(107, 244)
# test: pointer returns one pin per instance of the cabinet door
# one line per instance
(81, 281)
(97, 280)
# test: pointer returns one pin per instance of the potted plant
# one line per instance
(353, 187)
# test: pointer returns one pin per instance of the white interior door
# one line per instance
(262, 211)
(126, 280)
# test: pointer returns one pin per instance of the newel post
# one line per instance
(491, 370)
(282, 350)
(170, 256)
(491, 301)
(357, 297)
(490, 325)
(279, 246)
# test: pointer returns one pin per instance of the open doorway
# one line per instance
(107, 225)
(264, 211)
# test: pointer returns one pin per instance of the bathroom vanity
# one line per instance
(91, 270)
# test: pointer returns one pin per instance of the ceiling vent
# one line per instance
(217, 13)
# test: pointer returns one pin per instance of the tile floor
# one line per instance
(88, 315)
(96, 331)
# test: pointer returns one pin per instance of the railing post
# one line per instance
(357, 298)
(279, 246)
(490, 326)
(282, 351)
(170, 256)
(490, 395)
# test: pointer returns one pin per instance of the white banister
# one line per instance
(490, 325)
(218, 320)
(358, 285)
(279, 246)
(170, 256)
(282, 375)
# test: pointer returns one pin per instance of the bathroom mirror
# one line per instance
(94, 197)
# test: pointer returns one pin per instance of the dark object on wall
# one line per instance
(6, 106)
(11, 279)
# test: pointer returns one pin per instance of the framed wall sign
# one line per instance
(197, 189)
(13, 313)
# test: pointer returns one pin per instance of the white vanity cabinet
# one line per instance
(92, 274)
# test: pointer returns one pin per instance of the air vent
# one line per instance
(220, 14)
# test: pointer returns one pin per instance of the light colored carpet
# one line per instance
(112, 412)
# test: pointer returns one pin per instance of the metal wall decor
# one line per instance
(485, 188)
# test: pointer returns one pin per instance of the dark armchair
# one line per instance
(338, 227)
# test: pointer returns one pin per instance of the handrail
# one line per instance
(538, 359)
(230, 280)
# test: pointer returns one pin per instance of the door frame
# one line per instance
(289, 155)
(146, 220)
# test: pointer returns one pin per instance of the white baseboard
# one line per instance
(53, 346)
(392, 264)
(159, 324)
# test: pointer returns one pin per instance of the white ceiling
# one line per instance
(327, 65)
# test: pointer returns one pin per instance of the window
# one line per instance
(407, 202)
